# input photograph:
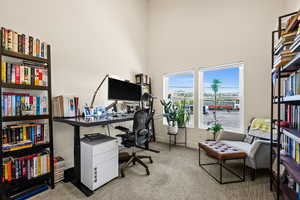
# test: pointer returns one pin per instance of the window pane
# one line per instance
(181, 89)
(220, 99)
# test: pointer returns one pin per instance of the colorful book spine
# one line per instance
(21, 43)
(26, 167)
(24, 74)
(16, 104)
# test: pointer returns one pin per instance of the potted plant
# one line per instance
(216, 128)
(183, 114)
(175, 113)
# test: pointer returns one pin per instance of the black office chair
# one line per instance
(139, 137)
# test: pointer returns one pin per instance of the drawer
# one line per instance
(105, 156)
(105, 147)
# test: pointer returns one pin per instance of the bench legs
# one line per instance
(221, 164)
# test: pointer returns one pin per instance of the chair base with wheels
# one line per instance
(132, 159)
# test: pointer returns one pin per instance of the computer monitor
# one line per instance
(123, 91)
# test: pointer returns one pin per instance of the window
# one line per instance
(180, 87)
(220, 94)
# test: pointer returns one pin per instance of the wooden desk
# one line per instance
(73, 174)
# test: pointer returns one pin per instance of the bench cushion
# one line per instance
(240, 145)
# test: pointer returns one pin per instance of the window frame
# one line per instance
(200, 88)
(165, 92)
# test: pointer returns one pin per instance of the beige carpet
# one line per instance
(175, 175)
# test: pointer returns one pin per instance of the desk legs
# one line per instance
(108, 129)
(73, 175)
(76, 154)
(221, 164)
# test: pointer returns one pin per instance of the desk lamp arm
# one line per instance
(95, 93)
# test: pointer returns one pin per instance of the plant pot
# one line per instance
(173, 129)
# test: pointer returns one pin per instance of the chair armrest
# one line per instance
(122, 128)
(122, 135)
(256, 147)
(259, 154)
(231, 136)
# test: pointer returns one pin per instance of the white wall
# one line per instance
(89, 39)
(192, 34)
(291, 5)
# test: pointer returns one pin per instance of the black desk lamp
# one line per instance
(95, 93)
(113, 105)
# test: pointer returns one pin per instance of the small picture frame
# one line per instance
(87, 111)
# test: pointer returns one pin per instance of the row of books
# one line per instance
(293, 116)
(291, 85)
(24, 74)
(21, 43)
(20, 136)
(26, 167)
(59, 168)
(291, 147)
(19, 104)
(65, 106)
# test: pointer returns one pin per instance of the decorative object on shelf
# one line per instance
(25, 64)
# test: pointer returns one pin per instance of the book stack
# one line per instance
(59, 168)
(21, 74)
(18, 104)
(295, 47)
(291, 85)
(26, 167)
(65, 106)
(283, 54)
(21, 136)
(21, 43)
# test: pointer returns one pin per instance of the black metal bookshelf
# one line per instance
(17, 186)
(278, 100)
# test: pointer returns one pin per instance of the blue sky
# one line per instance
(185, 80)
(229, 78)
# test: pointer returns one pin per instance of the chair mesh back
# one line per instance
(139, 121)
(140, 127)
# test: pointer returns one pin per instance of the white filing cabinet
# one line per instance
(99, 161)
